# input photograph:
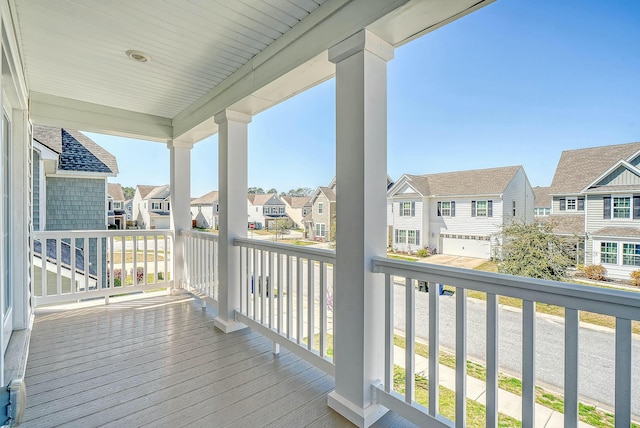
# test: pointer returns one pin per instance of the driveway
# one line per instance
(455, 261)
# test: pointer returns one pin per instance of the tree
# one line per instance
(256, 190)
(533, 250)
(300, 191)
(273, 190)
(281, 226)
(129, 192)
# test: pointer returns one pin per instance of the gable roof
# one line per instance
(580, 167)
(256, 199)
(490, 181)
(206, 199)
(76, 151)
(153, 192)
(326, 191)
(115, 191)
(297, 201)
(542, 197)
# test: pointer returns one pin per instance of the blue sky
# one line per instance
(514, 83)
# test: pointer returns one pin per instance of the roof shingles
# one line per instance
(473, 182)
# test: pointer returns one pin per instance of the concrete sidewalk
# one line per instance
(508, 403)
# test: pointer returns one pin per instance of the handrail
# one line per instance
(318, 254)
(605, 301)
(200, 234)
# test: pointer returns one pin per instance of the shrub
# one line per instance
(580, 267)
(160, 276)
(139, 275)
(595, 272)
(117, 277)
(423, 252)
(635, 278)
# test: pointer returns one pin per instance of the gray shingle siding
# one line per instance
(75, 203)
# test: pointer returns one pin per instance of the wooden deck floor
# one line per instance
(158, 361)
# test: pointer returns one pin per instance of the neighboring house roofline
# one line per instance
(46, 153)
(404, 179)
(81, 174)
(612, 168)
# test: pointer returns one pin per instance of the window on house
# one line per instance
(401, 236)
(320, 229)
(447, 209)
(407, 209)
(155, 205)
(320, 208)
(622, 207)
(304, 212)
(168, 206)
(572, 204)
(117, 205)
(280, 210)
(609, 253)
(513, 208)
(413, 237)
(481, 208)
(631, 254)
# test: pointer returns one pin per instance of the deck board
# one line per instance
(158, 361)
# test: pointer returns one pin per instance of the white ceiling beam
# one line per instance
(51, 110)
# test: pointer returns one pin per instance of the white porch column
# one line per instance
(361, 174)
(232, 199)
(180, 188)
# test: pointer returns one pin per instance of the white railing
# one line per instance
(201, 263)
(624, 306)
(294, 308)
(75, 265)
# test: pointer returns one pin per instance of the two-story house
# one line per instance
(596, 193)
(297, 208)
(265, 209)
(457, 213)
(151, 207)
(116, 214)
(204, 210)
(323, 213)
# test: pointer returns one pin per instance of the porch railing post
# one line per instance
(232, 199)
(180, 204)
(361, 178)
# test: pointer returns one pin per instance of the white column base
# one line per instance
(227, 326)
(363, 418)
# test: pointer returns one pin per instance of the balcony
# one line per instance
(157, 358)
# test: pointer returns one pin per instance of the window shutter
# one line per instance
(453, 208)
(396, 232)
(563, 204)
(489, 208)
(400, 210)
(439, 209)
(413, 209)
(607, 207)
(636, 206)
(580, 204)
(473, 208)
(417, 237)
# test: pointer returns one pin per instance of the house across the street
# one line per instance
(458, 213)
(596, 196)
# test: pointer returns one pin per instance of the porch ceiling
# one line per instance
(205, 56)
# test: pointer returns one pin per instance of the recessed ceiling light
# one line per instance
(138, 56)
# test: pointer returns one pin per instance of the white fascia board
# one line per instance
(62, 112)
(82, 174)
(616, 165)
(46, 154)
(404, 179)
(478, 196)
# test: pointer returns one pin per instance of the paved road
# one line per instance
(596, 359)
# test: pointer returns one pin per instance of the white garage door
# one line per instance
(466, 247)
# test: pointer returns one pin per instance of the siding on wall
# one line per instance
(75, 203)
(36, 190)
(414, 222)
(518, 190)
(620, 176)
